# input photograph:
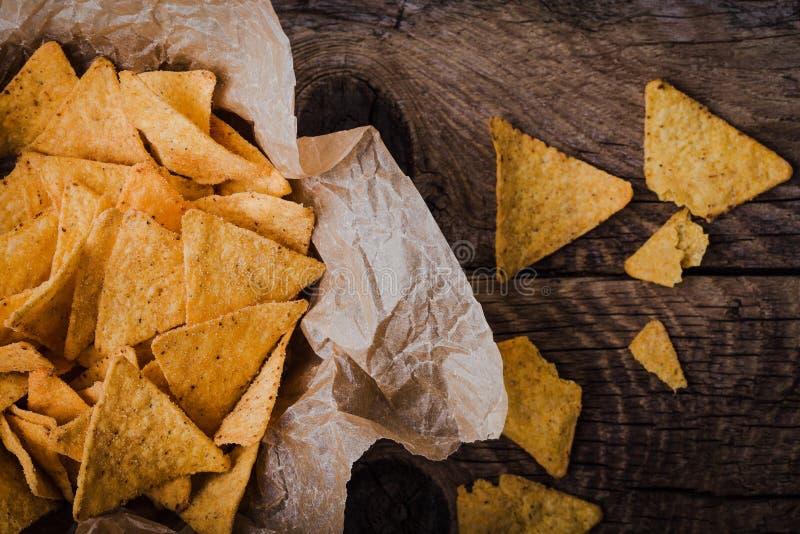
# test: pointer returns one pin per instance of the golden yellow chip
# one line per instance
(36, 478)
(213, 506)
(545, 199)
(79, 206)
(68, 439)
(32, 97)
(520, 506)
(187, 92)
(543, 409)
(268, 181)
(287, 223)
(97, 372)
(13, 386)
(209, 365)
(173, 495)
(248, 420)
(653, 349)
(7, 306)
(91, 394)
(228, 268)
(698, 160)
(51, 396)
(90, 123)
(137, 439)
(27, 252)
(22, 357)
(680, 243)
(22, 196)
(143, 291)
(18, 506)
(188, 189)
(147, 190)
(152, 371)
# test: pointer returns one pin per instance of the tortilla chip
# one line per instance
(137, 439)
(37, 480)
(143, 291)
(7, 306)
(543, 409)
(248, 421)
(51, 396)
(90, 123)
(268, 181)
(518, 505)
(188, 189)
(18, 506)
(22, 357)
(91, 394)
(173, 495)
(89, 282)
(209, 365)
(152, 371)
(13, 386)
(68, 439)
(22, 196)
(653, 349)
(33, 96)
(26, 253)
(97, 372)
(545, 199)
(228, 268)
(287, 223)
(149, 192)
(213, 507)
(79, 206)
(698, 160)
(680, 243)
(187, 92)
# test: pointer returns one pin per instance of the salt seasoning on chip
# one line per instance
(698, 160)
(27, 252)
(653, 349)
(19, 507)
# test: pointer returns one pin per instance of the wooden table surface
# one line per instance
(721, 455)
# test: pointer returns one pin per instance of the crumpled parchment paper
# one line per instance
(397, 345)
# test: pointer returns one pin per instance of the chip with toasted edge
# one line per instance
(653, 349)
(678, 244)
(543, 409)
(97, 372)
(209, 365)
(33, 96)
(698, 160)
(152, 372)
(89, 282)
(27, 252)
(13, 386)
(189, 189)
(7, 306)
(228, 268)
(545, 199)
(37, 480)
(187, 92)
(36, 441)
(22, 196)
(51, 396)
(91, 394)
(91, 124)
(89, 356)
(19, 507)
(143, 290)
(173, 495)
(269, 181)
(68, 439)
(213, 506)
(518, 505)
(22, 357)
(287, 223)
(137, 439)
(79, 206)
(147, 190)
(249, 419)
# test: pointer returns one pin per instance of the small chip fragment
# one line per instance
(653, 349)
(19, 507)
(51, 396)
(679, 244)
(27, 252)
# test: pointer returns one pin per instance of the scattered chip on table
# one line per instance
(19, 507)
(187, 92)
(51, 396)
(27, 252)
(653, 349)
(22, 196)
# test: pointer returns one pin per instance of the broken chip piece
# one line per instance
(653, 349)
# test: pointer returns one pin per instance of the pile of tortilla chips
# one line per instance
(150, 272)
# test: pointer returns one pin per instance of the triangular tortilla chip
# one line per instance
(287, 223)
(22, 196)
(187, 92)
(209, 365)
(248, 421)
(143, 291)
(228, 268)
(27, 252)
(268, 181)
(8, 305)
(189, 189)
(68, 439)
(36, 478)
(18, 506)
(543, 409)
(517, 504)
(33, 96)
(653, 349)
(13, 386)
(79, 206)
(147, 190)
(173, 495)
(51, 396)
(91, 394)
(22, 357)
(698, 160)
(545, 199)
(213, 506)
(680, 243)
(90, 123)
(89, 282)
(137, 439)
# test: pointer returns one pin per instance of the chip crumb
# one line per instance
(653, 349)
